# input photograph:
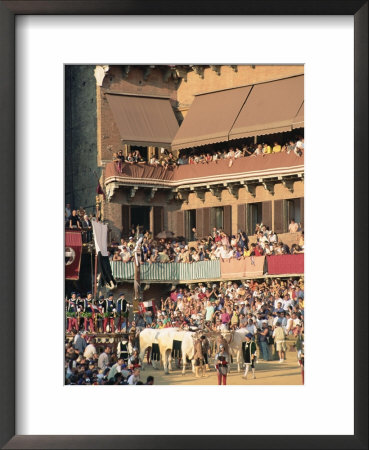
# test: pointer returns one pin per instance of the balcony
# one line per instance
(215, 176)
(217, 270)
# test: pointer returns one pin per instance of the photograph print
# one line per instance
(184, 224)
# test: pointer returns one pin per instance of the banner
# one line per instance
(73, 252)
(286, 264)
(250, 267)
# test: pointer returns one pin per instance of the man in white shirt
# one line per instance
(135, 377)
(90, 350)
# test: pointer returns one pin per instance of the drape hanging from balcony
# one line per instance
(144, 121)
(272, 107)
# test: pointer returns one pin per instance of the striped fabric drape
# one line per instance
(168, 272)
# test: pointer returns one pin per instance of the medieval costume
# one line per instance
(249, 354)
(198, 358)
(221, 365)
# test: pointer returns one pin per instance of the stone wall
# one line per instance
(80, 137)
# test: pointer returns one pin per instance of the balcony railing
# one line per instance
(228, 269)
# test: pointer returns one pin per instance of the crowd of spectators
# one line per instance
(263, 308)
(84, 366)
(218, 245)
(199, 156)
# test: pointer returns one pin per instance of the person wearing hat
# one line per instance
(101, 309)
(110, 309)
(121, 310)
(88, 308)
(221, 365)
(71, 312)
(80, 310)
(249, 355)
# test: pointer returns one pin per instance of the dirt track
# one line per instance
(267, 373)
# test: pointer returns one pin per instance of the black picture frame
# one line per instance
(8, 12)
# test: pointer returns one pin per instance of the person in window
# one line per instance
(130, 159)
(293, 226)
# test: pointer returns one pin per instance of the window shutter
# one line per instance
(241, 217)
(199, 222)
(279, 219)
(206, 221)
(302, 212)
(227, 219)
(126, 213)
(266, 214)
(158, 219)
(179, 226)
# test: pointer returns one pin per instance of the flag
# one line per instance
(99, 190)
(73, 252)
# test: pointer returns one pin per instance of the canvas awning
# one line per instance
(210, 118)
(270, 108)
(298, 121)
(144, 121)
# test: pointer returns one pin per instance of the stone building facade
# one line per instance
(233, 200)
(273, 198)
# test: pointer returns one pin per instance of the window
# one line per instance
(190, 222)
(216, 218)
(254, 216)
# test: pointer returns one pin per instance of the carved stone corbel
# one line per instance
(183, 195)
(100, 72)
(216, 191)
(200, 193)
(199, 70)
(147, 72)
(232, 189)
(287, 183)
(250, 188)
(110, 189)
(181, 73)
(126, 70)
(170, 195)
(268, 186)
(132, 192)
(151, 194)
(216, 69)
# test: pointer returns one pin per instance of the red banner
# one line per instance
(73, 252)
(286, 264)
